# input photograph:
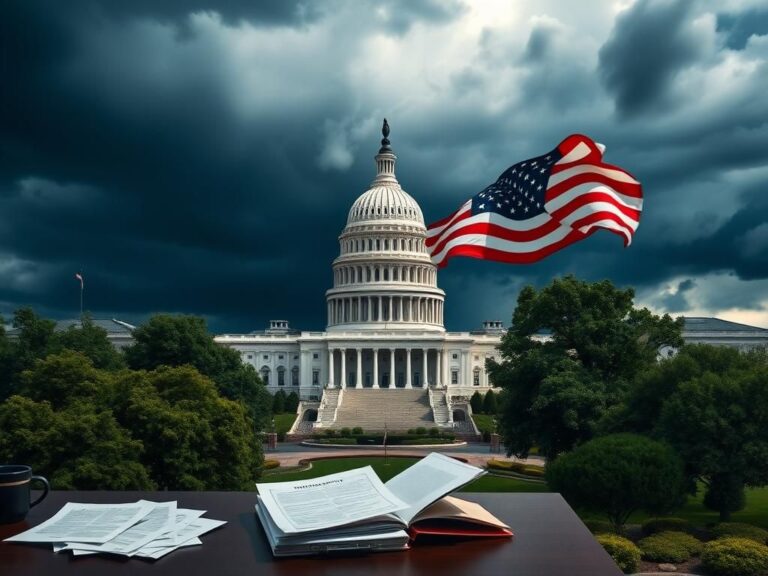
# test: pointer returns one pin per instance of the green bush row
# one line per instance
(740, 530)
(654, 525)
(519, 467)
(624, 552)
(735, 557)
(669, 547)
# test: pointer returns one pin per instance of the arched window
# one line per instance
(281, 376)
(295, 376)
(386, 274)
(476, 377)
(376, 274)
(265, 375)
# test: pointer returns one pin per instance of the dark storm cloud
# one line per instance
(739, 27)
(400, 15)
(677, 301)
(649, 45)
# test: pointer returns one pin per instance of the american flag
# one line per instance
(541, 205)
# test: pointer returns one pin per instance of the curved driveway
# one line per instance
(476, 453)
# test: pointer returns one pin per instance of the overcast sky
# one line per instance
(200, 156)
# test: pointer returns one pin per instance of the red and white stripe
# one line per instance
(583, 194)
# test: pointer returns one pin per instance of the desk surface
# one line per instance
(549, 540)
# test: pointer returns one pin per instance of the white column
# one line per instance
(424, 378)
(330, 368)
(401, 309)
(375, 367)
(438, 367)
(369, 316)
(446, 370)
(408, 369)
(379, 298)
(359, 375)
(391, 382)
(343, 379)
(465, 371)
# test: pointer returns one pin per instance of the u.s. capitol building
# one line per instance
(385, 312)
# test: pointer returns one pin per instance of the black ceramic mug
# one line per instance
(15, 481)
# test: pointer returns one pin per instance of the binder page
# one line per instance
(428, 480)
(329, 501)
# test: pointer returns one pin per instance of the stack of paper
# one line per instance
(145, 529)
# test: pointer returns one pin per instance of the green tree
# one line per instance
(476, 402)
(489, 403)
(64, 429)
(715, 414)
(619, 474)
(555, 391)
(292, 402)
(278, 402)
(92, 341)
(31, 343)
(193, 438)
(167, 340)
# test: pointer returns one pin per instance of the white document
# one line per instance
(428, 480)
(156, 553)
(160, 520)
(196, 527)
(330, 501)
(90, 523)
(184, 517)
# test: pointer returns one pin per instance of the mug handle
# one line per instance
(46, 488)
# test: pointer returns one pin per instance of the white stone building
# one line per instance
(384, 312)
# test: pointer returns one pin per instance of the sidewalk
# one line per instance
(291, 454)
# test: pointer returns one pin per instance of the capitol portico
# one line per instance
(384, 313)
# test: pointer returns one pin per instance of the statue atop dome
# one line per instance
(385, 147)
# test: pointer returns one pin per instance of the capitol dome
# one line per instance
(384, 277)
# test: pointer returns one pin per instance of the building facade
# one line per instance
(384, 311)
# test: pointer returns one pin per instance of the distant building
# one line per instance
(119, 333)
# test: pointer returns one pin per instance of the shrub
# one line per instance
(421, 431)
(489, 403)
(346, 432)
(654, 525)
(623, 551)
(278, 402)
(411, 431)
(618, 474)
(269, 464)
(476, 402)
(357, 430)
(735, 557)
(599, 526)
(330, 433)
(740, 530)
(518, 467)
(669, 547)
(434, 432)
(292, 402)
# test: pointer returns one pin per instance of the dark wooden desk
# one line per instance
(549, 540)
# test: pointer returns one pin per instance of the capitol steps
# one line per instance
(439, 408)
(372, 409)
(328, 405)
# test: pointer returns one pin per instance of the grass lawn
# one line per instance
(755, 512)
(484, 422)
(393, 467)
(283, 422)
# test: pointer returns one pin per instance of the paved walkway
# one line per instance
(292, 453)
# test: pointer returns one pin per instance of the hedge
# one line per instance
(735, 557)
(270, 464)
(377, 440)
(654, 525)
(600, 526)
(623, 551)
(740, 530)
(669, 547)
(518, 467)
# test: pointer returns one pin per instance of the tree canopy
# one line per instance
(557, 388)
(167, 340)
(711, 404)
